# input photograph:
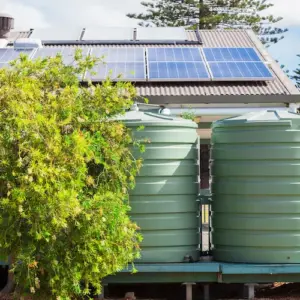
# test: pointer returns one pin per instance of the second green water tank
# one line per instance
(256, 188)
(164, 201)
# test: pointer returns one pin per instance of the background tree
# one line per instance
(296, 75)
(210, 14)
(65, 172)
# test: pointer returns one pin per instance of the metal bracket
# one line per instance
(219, 277)
(206, 292)
(249, 290)
(204, 199)
(189, 290)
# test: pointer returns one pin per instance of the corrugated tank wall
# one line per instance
(256, 188)
(164, 201)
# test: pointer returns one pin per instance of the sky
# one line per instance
(66, 13)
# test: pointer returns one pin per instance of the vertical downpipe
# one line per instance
(199, 199)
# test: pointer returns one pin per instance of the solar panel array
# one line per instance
(176, 63)
(7, 55)
(119, 64)
(236, 64)
(160, 63)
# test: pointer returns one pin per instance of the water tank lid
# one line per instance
(262, 118)
(138, 118)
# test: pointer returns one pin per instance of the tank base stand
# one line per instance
(206, 292)
(249, 290)
(189, 290)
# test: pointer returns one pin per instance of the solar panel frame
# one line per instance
(253, 59)
(182, 71)
(161, 34)
(249, 54)
(108, 34)
(231, 77)
(178, 79)
(57, 34)
(174, 54)
(120, 62)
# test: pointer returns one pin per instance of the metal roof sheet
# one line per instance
(167, 92)
(212, 88)
(223, 38)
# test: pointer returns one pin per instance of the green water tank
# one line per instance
(164, 201)
(256, 188)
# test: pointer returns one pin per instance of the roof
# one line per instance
(280, 90)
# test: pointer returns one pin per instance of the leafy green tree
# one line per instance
(65, 173)
(296, 75)
(210, 14)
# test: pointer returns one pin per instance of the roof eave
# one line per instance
(164, 100)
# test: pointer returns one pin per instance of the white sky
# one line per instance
(93, 13)
(288, 9)
(47, 13)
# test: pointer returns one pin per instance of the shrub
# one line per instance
(65, 173)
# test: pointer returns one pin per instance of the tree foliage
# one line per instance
(65, 172)
(211, 14)
(296, 75)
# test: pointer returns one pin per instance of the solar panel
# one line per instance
(57, 34)
(236, 64)
(174, 54)
(240, 71)
(108, 34)
(66, 52)
(8, 55)
(161, 34)
(177, 64)
(230, 54)
(127, 62)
